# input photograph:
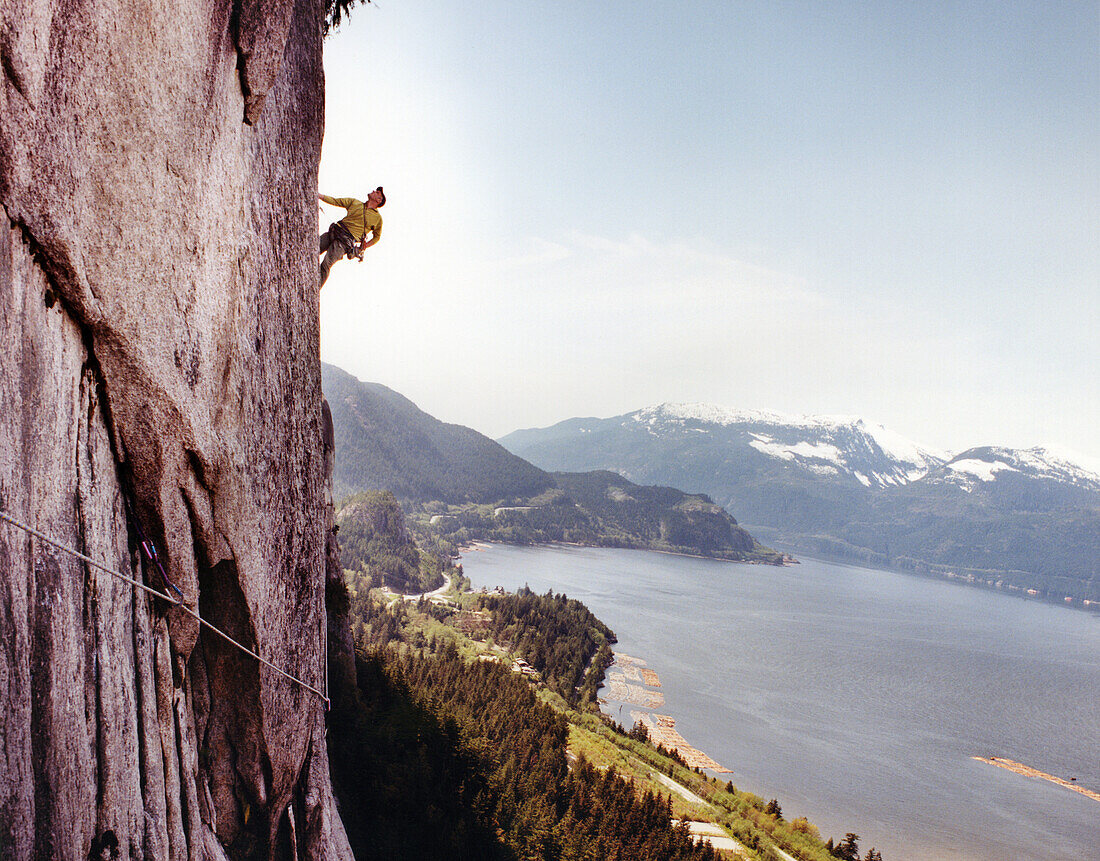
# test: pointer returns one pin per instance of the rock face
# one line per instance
(159, 351)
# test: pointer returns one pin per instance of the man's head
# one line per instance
(376, 198)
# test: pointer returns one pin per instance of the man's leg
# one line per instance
(334, 252)
(325, 242)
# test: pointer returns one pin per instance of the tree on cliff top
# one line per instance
(337, 10)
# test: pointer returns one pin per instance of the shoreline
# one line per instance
(972, 578)
(652, 630)
(479, 544)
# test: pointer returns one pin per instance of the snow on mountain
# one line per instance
(1055, 459)
(824, 445)
(984, 465)
(982, 470)
(799, 451)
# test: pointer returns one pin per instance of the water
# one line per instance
(858, 697)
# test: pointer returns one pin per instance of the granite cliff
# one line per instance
(159, 354)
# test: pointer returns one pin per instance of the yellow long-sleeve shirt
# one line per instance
(360, 217)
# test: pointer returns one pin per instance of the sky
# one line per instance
(889, 210)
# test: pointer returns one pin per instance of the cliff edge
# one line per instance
(159, 373)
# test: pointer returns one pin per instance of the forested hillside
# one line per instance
(437, 757)
(375, 542)
(603, 509)
(557, 635)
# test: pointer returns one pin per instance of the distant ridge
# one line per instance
(843, 486)
(828, 445)
(984, 464)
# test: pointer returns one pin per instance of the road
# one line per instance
(429, 595)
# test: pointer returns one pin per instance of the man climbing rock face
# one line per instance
(348, 236)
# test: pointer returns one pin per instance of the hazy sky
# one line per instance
(883, 209)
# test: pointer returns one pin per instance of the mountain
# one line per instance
(794, 473)
(385, 442)
(477, 489)
(847, 449)
(375, 540)
(604, 509)
(843, 486)
(981, 468)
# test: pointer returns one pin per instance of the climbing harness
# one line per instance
(350, 244)
(151, 552)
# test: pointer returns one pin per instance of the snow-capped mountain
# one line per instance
(831, 446)
(980, 466)
(847, 486)
(764, 467)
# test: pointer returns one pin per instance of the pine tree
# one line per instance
(848, 848)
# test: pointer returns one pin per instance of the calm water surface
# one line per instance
(858, 697)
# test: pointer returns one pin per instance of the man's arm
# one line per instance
(373, 225)
(345, 202)
(375, 235)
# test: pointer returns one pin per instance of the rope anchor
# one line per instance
(151, 553)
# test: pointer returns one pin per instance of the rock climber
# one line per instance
(348, 236)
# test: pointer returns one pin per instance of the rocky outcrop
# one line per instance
(159, 350)
(376, 513)
(376, 540)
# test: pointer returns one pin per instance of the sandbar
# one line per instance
(1028, 771)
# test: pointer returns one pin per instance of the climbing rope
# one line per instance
(164, 597)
